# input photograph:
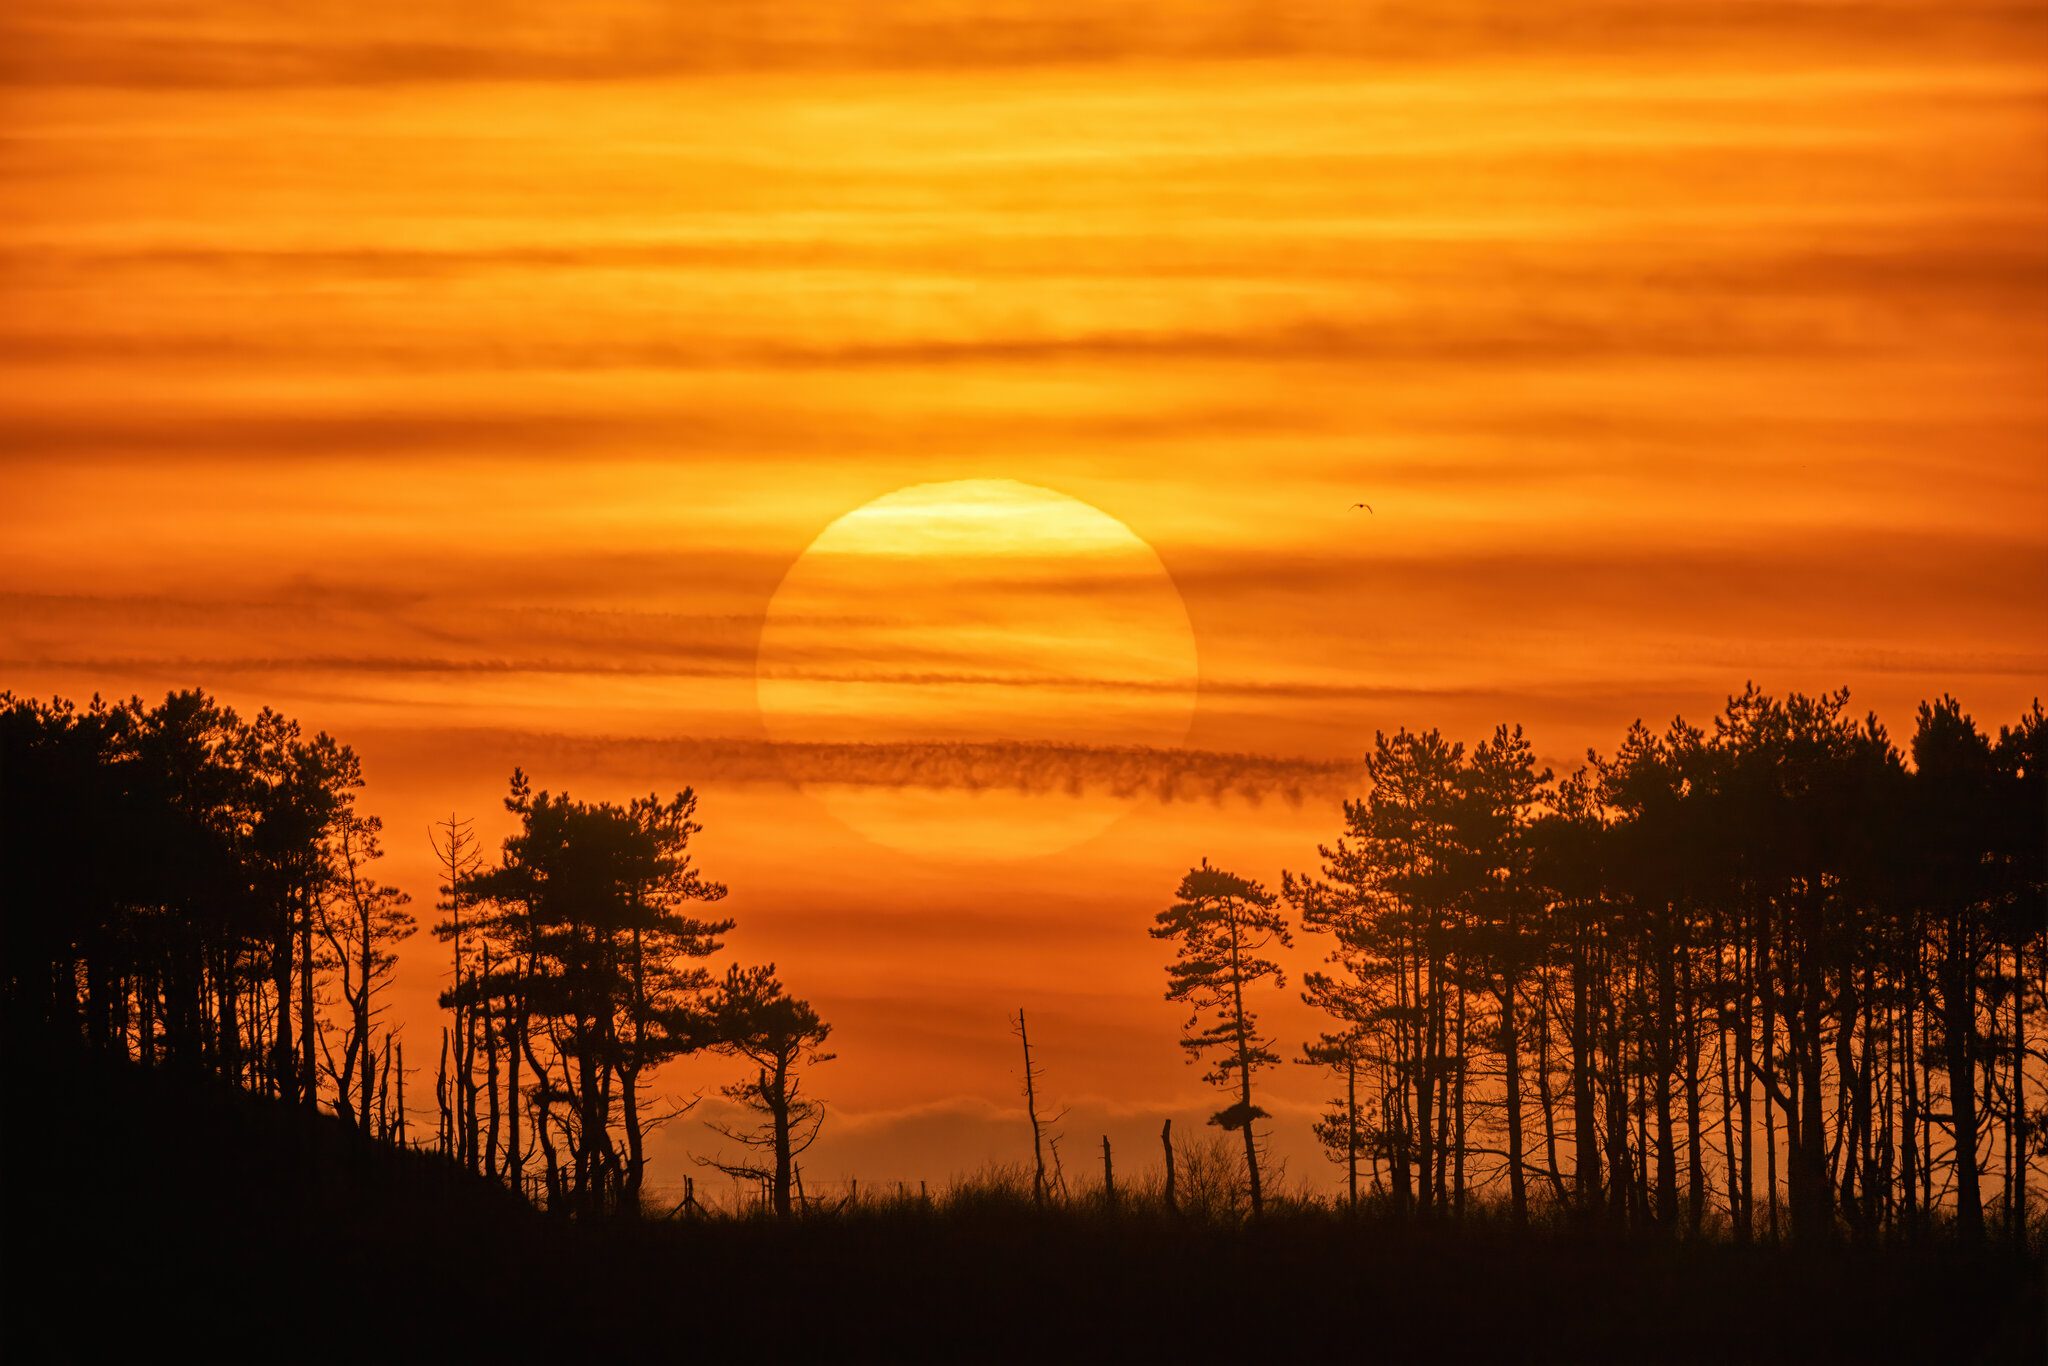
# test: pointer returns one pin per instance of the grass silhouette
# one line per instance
(150, 1213)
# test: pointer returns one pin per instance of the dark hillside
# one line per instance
(155, 1210)
(152, 1217)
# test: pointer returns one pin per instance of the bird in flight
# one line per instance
(1366, 506)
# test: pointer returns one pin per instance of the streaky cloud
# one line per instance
(1163, 775)
(241, 44)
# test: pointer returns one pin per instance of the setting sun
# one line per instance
(973, 616)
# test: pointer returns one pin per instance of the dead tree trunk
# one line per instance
(1166, 1144)
(1038, 1188)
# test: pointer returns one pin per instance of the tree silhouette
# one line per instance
(1769, 938)
(175, 856)
(459, 858)
(1500, 789)
(1777, 973)
(596, 974)
(1219, 927)
(750, 1017)
(1041, 1188)
(361, 921)
(1346, 1134)
(1388, 898)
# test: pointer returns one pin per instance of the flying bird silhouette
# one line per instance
(1366, 506)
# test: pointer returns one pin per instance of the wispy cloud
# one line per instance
(1156, 774)
(241, 43)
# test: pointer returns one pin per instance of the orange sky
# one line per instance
(464, 381)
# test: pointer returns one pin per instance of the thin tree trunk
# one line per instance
(1425, 1082)
(362, 1006)
(284, 1055)
(2016, 1122)
(1244, 1068)
(1909, 1107)
(1728, 1160)
(1458, 1073)
(515, 1160)
(1642, 1109)
(1863, 1107)
(1620, 1163)
(465, 1080)
(1695, 1158)
(1745, 1223)
(309, 1089)
(1959, 1006)
(445, 1134)
(629, 1075)
(1038, 1188)
(783, 1156)
(1543, 1094)
(1166, 1145)
(1350, 1129)
(1812, 1194)
(1768, 1052)
(1663, 1062)
(490, 1079)
(1518, 1191)
(1585, 1123)
(384, 1092)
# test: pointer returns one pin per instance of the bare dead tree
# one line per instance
(1032, 1073)
(1166, 1143)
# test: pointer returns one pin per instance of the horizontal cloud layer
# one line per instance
(1158, 774)
(247, 43)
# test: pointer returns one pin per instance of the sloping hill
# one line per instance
(145, 1208)
(149, 1216)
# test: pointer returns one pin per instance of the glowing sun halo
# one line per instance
(977, 612)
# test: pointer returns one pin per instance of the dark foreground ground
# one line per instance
(149, 1220)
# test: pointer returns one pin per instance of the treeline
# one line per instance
(1768, 973)
(578, 969)
(1778, 975)
(196, 890)
(182, 883)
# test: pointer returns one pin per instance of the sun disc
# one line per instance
(995, 633)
